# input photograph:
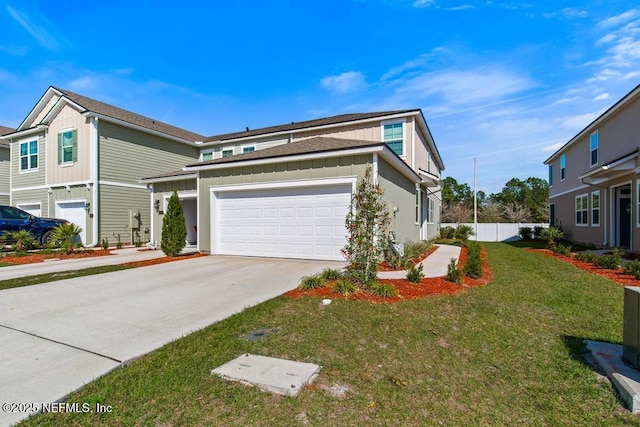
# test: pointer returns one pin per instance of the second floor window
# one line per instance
(67, 146)
(594, 148)
(28, 155)
(563, 167)
(227, 153)
(207, 156)
(393, 137)
(550, 175)
(249, 149)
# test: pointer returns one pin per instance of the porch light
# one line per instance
(156, 205)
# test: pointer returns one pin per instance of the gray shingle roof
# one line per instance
(174, 174)
(342, 118)
(129, 117)
(318, 144)
(5, 130)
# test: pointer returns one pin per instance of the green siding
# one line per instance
(399, 191)
(115, 205)
(162, 189)
(347, 166)
(28, 179)
(5, 171)
(4, 200)
(127, 155)
(33, 196)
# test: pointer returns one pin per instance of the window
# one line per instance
(248, 148)
(638, 203)
(431, 210)
(552, 214)
(417, 206)
(595, 208)
(594, 148)
(207, 156)
(29, 155)
(551, 175)
(563, 164)
(582, 210)
(227, 152)
(67, 146)
(392, 135)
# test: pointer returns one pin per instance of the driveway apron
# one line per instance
(58, 336)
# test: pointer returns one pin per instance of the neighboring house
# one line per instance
(5, 173)
(594, 183)
(284, 191)
(79, 159)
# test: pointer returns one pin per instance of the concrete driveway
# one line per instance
(58, 336)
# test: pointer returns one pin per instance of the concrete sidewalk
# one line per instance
(435, 265)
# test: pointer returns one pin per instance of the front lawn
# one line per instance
(507, 353)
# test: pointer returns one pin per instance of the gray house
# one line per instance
(5, 177)
(284, 191)
(594, 183)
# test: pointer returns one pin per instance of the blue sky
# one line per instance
(505, 82)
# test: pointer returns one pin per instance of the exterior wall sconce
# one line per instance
(87, 206)
(156, 205)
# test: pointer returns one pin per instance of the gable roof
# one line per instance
(4, 131)
(332, 120)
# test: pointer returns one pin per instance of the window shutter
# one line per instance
(60, 155)
(74, 138)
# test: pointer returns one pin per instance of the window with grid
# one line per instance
(393, 137)
(595, 208)
(582, 210)
(227, 153)
(563, 167)
(29, 155)
(67, 146)
(249, 149)
(207, 156)
(594, 148)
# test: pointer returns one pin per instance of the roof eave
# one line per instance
(168, 178)
(26, 132)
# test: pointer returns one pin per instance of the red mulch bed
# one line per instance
(407, 290)
(614, 275)
(35, 258)
(385, 267)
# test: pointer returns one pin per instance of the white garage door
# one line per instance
(32, 208)
(304, 222)
(74, 212)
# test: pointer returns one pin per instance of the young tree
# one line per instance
(367, 223)
(65, 235)
(174, 229)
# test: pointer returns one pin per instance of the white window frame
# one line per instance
(638, 203)
(563, 169)
(29, 167)
(551, 175)
(242, 148)
(583, 209)
(431, 210)
(592, 209)
(227, 149)
(554, 216)
(418, 196)
(62, 132)
(203, 152)
(404, 134)
(591, 149)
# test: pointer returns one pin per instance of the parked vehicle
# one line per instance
(14, 219)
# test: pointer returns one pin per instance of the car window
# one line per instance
(13, 213)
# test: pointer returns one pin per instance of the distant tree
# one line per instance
(491, 212)
(174, 229)
(457, 213)
(516, 213)
(454, 193)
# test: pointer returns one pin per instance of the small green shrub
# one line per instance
(393, 260)
(415, 274)
(330, 274)
(118, 241)
(454, 274)
(64, 236)
(384, 290)
(473, 266)
(138, 241)
(537, 232)
(344, 287)
(611, 261)
(552, 235)
(22, 240)
(587, 256)
(632, 268)
(415, 249)
(525, 233)
(463, 232)
(447, 233)
(311, 282)
(105, 244)
(562, 249)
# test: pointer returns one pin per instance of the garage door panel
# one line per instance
(294, 223)
(73, 212)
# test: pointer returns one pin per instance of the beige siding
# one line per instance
(30, 178)
(260, 144)
(5, 170)
(433, 224)
(127, 155)
(347, 166)
(71, 172)
(4, 200)
(363, 131)
(162, 189)
(116, 206)
(566, 213)
(45, 110)
(399, 191)
(32, 196)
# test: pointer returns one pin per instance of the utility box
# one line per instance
(631, 327)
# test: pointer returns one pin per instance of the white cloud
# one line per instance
(631, 75)
(563, 101)
(350, 81)
(601, 97)
(570, 12)
(619, 19)
(38, 26)
(461, 7)
(14, 50)
(424, 3)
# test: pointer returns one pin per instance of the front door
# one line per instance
(623, 216)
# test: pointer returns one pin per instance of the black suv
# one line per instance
(14, 219)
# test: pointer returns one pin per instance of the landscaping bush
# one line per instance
(587, 256)
(525, 233)
(632, 268)
(64, 236)
(384, 290)
(105, 243)
(311, 282)
(415, 249)
(463, 232)
(392, 259)
(473, 266)
(174, 229)
(552, 235)
(415, 274)
(537, 232)
(562, 249)
(447, 233)
(22, 240)
(454, 274)
(330, 274)
(344, 287)
(611, 261)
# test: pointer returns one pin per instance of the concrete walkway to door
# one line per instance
(58, 336)
(435, 265)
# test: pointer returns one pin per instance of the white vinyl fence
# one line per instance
(496, 232)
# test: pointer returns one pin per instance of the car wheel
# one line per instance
(47, 237)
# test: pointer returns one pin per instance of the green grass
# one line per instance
(508, 353)
(60, 275)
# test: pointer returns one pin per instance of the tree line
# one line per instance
(519, 201)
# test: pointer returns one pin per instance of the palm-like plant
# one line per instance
(64, 236)
(22, 238)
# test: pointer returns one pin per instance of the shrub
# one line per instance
(587, 256)
(415, 249)
(311, 282)
(463, 232)
(384, 290)
(174, 229)
(330, 274)
(552, 235)
(23, 240)
(611, 261)
(473, 266)
(118, 241)
(105, 243)
(537, 232)
(454, 274)
(415, 274)
(392, 259)
(525, 233)
(344, 287)
(64, 236)
(632, 268)
(138, 241)
(562, 249)
(447, 233)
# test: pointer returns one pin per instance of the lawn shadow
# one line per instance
(577, 348)
(533, 244)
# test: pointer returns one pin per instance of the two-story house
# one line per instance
(594, 183)
(284, 191)
(5, 176)
(80, 159)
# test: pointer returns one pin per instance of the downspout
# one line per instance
(93, 152)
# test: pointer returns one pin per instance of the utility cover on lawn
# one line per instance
(279, 376)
